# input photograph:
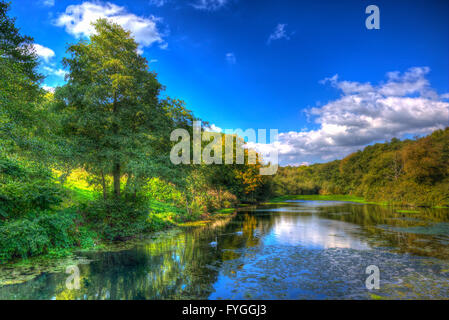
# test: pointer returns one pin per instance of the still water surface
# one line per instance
(293, 250)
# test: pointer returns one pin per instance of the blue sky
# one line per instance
(261, 64)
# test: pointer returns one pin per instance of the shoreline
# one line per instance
(23, 270)
(344, 198)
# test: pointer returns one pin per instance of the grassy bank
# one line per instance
(78, 218)
(347, 198)
(161, 215)
(319, 197)
(61, 234)
(22, 270)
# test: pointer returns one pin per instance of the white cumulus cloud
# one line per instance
(48, 88)
(77, 21)
(55, 72)
(405, 104)
(213, 128)
(43, 52)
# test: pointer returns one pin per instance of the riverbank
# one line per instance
(23, 270)
(319, 197)
(86, 236)
(81, 219)
(346, 198)
(260, 254)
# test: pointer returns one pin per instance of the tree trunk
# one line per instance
(128, 183)
(103, 183)
(116, 176)
(116, 168)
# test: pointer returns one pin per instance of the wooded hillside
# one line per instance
(409, 172)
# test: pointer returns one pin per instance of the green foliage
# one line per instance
(319, 197)
(226, 210)
(79, 195)
(116, 219)
(16, 46)
(22, 238)
(165, 192)
(162, 215)
(25, 187)
(399, 172)
(19, 90)
(110, 114)
(107, 129)
(41, 232)
(30, 222)
(159, 221)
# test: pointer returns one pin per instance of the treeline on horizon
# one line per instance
(409, 172)
(91, 162)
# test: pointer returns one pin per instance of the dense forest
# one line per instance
(90, 162)
(409, 172)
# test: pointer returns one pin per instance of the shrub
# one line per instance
(25, 187)
(160, 190)
(22, 238)
(197, 208)
(38, 233)
(116, 219)
(159, 221)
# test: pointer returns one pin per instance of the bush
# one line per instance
(38, 233)
(25, 187)
(159, 221)
(215, 200)
(196, 210)
(22, 238)
(116, 219)
(160, 190)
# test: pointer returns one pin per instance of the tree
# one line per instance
(19, 86)
(111, 115)
(16, 47)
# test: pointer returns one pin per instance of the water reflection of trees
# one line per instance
(180, 266)
(183, 265)
(172, 268)
(388, 226)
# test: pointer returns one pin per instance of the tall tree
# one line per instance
(16, 47)
(19, 85)
(111, 112)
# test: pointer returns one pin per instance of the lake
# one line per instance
(291, 250)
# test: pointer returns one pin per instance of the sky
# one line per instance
(310, 69)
